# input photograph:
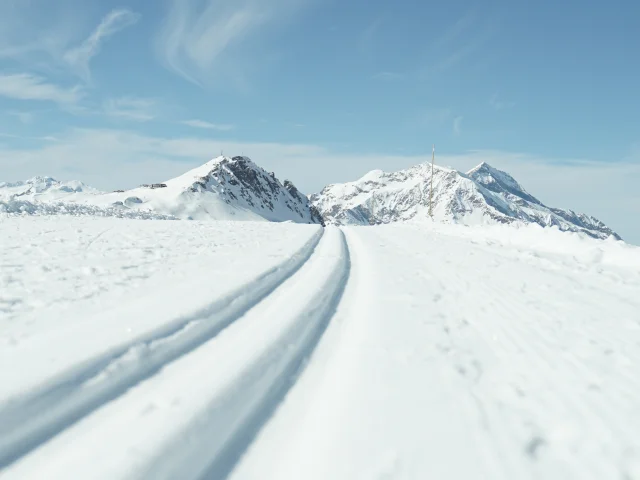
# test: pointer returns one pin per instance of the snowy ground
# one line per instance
(163, 349)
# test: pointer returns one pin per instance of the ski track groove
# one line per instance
(31, 419)
(329, 368)
(281, 371)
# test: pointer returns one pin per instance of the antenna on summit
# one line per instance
(433, 156)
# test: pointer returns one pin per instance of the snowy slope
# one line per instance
(221, 189)
(253, 350)
(483, 195)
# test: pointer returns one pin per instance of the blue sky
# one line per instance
(321, 91)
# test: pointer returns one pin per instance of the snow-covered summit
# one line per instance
(499, 182)
(484, 195)
(226, 188)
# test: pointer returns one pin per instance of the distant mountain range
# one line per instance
(235, 188)
(221, 189)
(482, 195)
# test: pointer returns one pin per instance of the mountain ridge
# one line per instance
(483, 194)
(236, 188)
(224, 188)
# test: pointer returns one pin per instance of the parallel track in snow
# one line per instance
(31, 419)
(218, 441)
(235, 381)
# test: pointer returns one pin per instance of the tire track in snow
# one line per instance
(30, 420)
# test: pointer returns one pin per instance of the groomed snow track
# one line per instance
(265, 330)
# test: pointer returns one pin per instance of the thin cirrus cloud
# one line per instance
(387, 76)
(53, 50)
(207, 125)
(366, 40)
(498, 104)
(80, 57)
(25, 86)
(23, 117)
(458, 41)
(457, 126)
(131, 108)
(46, 39)
(197, 34)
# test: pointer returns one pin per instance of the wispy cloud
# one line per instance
(22, 137)
(454, 32)
(23, 117)
(50, 39)
(457, 43)
(366, 39)
(24, 86)
(498, 104)
(457, 126)
(388, 76)
(132, 108)
(207, 125)
(434, 117)
(198, 33)
(30, 37)
(79, 57)
(453, 58)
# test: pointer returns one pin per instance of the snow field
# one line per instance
(398, 351)
(71, 288)
(263, 349)
(464, 360)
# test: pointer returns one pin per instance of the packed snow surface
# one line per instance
(252, 350)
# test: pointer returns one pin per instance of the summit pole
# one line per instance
(433, 156)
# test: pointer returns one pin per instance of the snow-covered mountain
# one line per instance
(482, 195)
(222, 189)
(43, 188)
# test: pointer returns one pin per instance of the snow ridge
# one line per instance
(484, 195)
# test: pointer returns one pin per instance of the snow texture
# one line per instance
(253, 350)
(484, 195)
